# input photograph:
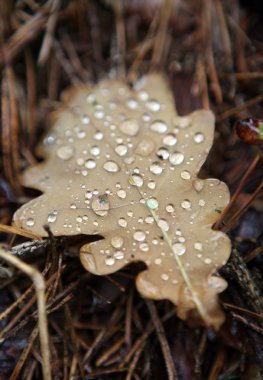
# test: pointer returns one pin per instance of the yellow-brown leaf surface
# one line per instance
(120, 162)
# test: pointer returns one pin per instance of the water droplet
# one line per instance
(118, 255)
(158, 126)
(95, 150)
(136, 180)
(139, 235)
(156, 168)
(132, 103)
(117, 241)
(170, 139)
(176, 158)
(145, 147)
(163, 224)
(30, 222)
(199, 137)
(122, 222)
(152, 203)
(185, 175)
(121, 193)
(179, 249)
(88, 194)
(170, 208)
(73, 206)
(207, 260)
(146, 117)
(98, 135)
(144, 247)
(99, 112)
(149, 219)
(129, 127)
(186, 204)
(217, 282)
(198, 246)
(182, 122)
(201, 202)
(90, 164)
(163, 153)
(111, 166)
(81, 134)
(101, 205)
(164, 277)
(91, 98)
(198, 185)
(151, 185)
(153, 105)
(65, 152)
(121, 150)
(143, 95)
(85, 119)
(109, 261)
(158, 261)
(52, 217)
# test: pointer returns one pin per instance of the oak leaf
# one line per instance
(121, 163)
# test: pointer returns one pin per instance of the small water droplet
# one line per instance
(30, 222)
(151, 185)
(91, 98)
(111, 167)
(199, 137)
(182, 122)
(52, 217)
(136, 180)
(170, 208)
(81, 134)
(146, 117)
(122, 222)
(163, 153)
(95, 150)
(132, 103)
(207, 260)
(99, 111)
(88, 194)
(170, 139)
(121, 150)
(198, 246)
(179, 249)
(163, 224)
(121, 193)
(153, 105)
(129, 127)
(159, 126)
(158, 261)
(186, 204)
(176, 158)
(152, 203)
(149, 219)
(145, 147)
(201, 202)
(156, 168)
(101, 205)
(65, 152)
(164, 277)
(85, 119)
(117, 241)
(198, 185)
(109, 261)
(185, 175)
(118, 255)
(139, 235)
(144, 247)
(143, 95)
(98, 136)
(90, 164)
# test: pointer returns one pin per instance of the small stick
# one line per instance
(39, 283)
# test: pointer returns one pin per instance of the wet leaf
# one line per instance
(121, 163)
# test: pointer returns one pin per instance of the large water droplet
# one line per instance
(163, 153)
(30, 222)
(139, 235)
(65, 152)
(136, 180)
(159, 126)
(199, 137)
(156, 168)
(153, 105)
(111, 166)
(145, 147)
(163, 224)
(129, 127)
(170, 139)
(101, 205)
(109, 261)
(90, 164)
(152, 203)
(176, 158)
(52, 217)
(121, 150)
(117, 241)
(179, 249)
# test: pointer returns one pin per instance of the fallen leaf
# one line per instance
(121, 163)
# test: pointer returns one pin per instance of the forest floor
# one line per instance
(100, 327)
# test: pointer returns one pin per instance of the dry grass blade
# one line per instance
(39, 285)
